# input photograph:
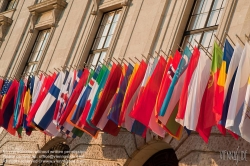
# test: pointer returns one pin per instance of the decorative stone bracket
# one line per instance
(5, 22)
(56, 6)
(106, 5)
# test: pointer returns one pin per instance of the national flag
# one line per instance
(138, 79)
(107, 95)
(93, 131)
(166, 81)
(145, 104)
(245, 121)
(186, 86)
(137, 127)
(169, 108)
(73, 98)
(17, 114)
(45, 112)
(7, 108)
(47, 83)
(197, 97)
(115, 110)
(95, 97)
(27, 105)
(211, 116)
(236, 105)
(228, 87)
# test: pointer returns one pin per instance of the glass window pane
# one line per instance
(112, 29)
(198, 6)
(207, 38)
(95, 59)
(102, 57)
(107, 43)
(197, 21)
(206, 6)
(106, 29)
(219, 17)
(117, 16)
(100, 45)
(213, 18)
(110, 17)
(217, 4)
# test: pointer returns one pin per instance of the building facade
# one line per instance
(50, 35)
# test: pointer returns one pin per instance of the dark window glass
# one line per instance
(11, 5)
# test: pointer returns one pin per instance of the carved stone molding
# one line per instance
(125, 2)
(56, 6)
(5, 22)
(108, 5)
(96, 5)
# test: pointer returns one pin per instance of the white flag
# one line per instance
(239, 92)
(196, 90)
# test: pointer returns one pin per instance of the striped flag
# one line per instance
(228, 87)
(236, 105)
(245, 121)
(45, 112)
(186, 86)
(107, 96)
(115, 111)
(138, 77)
(95, 97)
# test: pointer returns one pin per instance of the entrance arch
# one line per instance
(151, 152)
(55, 152)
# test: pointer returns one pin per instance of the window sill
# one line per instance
(47, 5)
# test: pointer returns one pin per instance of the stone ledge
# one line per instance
(47, 5)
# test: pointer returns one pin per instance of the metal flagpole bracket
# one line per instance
(163, 52)
(219, 41)
(190, 44)
(248, 37)
(131, 60)
(230, 38)
(203, 48)
(137, 59)
(240, 39)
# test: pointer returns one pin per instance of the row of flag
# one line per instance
(186, 91)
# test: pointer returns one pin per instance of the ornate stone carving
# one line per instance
(125, 2)
(55, 5)
(95, 9)
(5, 22)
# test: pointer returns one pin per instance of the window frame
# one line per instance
(13, 6)
(93, 52)
(30, 56)
(203, 30)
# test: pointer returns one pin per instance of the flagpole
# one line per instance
(144, 56)
(190, 44)
(163, 52)
(137, 59)
(131, 60)
(180, 47)
(230, 39)
(218, 40)
(248, 37)
(203, 48)
(240, 39)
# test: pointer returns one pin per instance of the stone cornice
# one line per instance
(5, 22)
(56, 6)
(47, 5)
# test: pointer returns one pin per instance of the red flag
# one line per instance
(74, 96)
(108, 93)
(44, 90)
(184, 94)
(166, 81)
(134, 83)
(143, 109)
(7, 109)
